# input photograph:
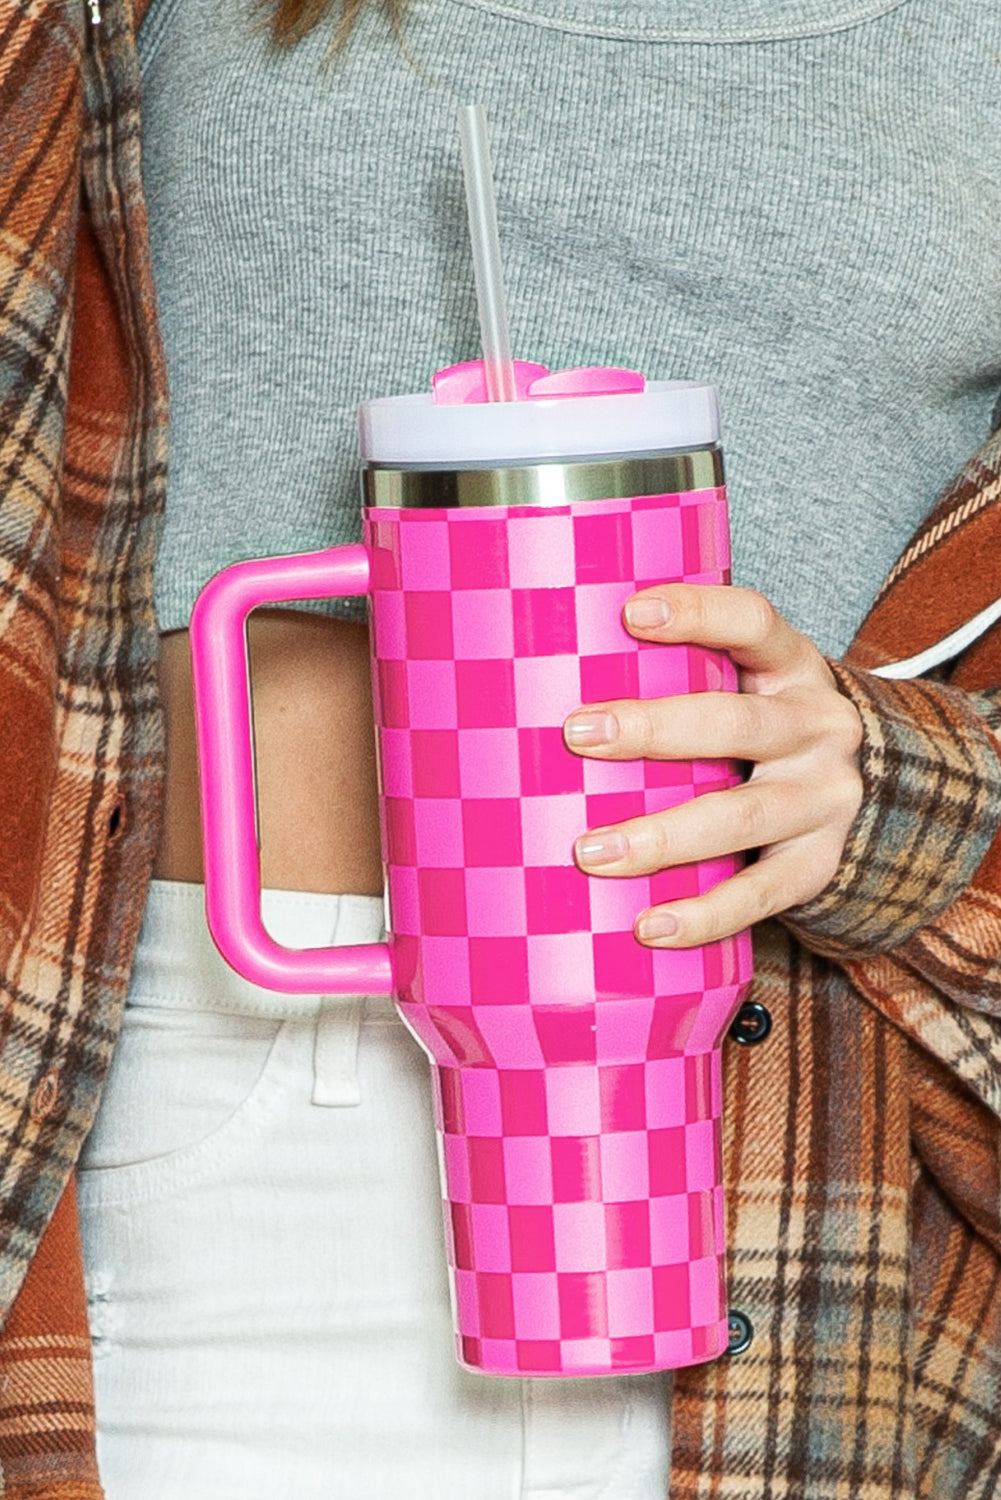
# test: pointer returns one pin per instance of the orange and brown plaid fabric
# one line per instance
(863, 1135)
(82, 465)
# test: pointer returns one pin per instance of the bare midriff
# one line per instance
(315, 756)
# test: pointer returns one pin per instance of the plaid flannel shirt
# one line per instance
(863, 1137)
(82, 468)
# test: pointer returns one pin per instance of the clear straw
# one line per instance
(487, 270)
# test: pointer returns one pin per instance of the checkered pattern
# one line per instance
(584, 1215)
(519, 974)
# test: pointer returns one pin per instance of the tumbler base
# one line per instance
(560, 1359)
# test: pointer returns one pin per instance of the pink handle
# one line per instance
(229, 822)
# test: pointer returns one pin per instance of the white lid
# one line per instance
(413, 430)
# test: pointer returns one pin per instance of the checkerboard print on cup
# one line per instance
(578, 1073)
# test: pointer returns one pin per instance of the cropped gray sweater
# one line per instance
(797, 200)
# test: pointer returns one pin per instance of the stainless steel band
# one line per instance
(545, 484)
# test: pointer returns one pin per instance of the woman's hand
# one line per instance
(801, 735)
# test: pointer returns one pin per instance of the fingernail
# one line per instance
(601, 848)
(656, 924)
(646, 613)
(591, 729)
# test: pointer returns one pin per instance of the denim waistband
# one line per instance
(177, 966)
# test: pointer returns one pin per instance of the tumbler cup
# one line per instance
(576, 1073)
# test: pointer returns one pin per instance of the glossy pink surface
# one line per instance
(464, 384)
(458, 384)
(577, 1073)
(584, 1216)
(229, 820)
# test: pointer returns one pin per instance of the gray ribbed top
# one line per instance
(797, 200)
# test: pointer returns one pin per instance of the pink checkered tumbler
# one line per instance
(576, 1073)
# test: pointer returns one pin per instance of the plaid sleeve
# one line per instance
(930, 813)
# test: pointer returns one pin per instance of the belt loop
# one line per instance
(360, 919)
(335, 1050)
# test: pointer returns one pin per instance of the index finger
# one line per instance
(740, 621)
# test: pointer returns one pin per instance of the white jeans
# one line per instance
(268, 1292)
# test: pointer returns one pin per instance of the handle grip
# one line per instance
(221, 670)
